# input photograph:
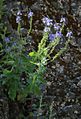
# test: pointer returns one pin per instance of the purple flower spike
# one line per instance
(47, 21)
(58, 34)
(51, 36)
(30, 14)
(7, 40)
(69, 34)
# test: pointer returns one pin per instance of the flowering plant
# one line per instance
(24, 73)
(55, 34)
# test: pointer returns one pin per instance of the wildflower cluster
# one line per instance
(55, 29)
(33, 65)
(53, 33)
(22, 66)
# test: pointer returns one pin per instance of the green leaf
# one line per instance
(6, 72)
(9, 62)
(13, 87)
(32, 54)
(12, 93)
(36, 90)
(23, 93)
(0, 45)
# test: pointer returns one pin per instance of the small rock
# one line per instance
(79, 84)
(75, 112)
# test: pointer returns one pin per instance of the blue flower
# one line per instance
(63, 20)
(57, 26)
(19, 13)
(30, 14)
(18, 19)
(47, 21)
(14, 44)
(51, 36)
(7, 39)
(47, 29)
(58, 34)
(69, 34)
